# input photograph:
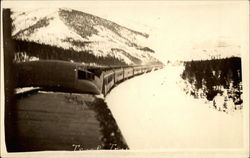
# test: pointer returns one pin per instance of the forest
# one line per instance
(215, 76)
(25, 50)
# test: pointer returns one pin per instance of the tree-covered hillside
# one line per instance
(209, 77)
(26, 51)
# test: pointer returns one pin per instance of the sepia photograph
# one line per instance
(125, 78)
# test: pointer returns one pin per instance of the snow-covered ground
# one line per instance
(25, 89)
(154, 113)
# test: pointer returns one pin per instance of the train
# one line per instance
(64, 76)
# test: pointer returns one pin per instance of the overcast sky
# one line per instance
(174, 26)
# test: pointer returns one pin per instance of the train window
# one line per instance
(81, 75)
(92, 77)
(88, 76)
(106, 81)
(110, 78)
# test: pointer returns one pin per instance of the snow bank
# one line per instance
(25, 89)
(154, 113)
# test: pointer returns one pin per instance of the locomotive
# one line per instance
(57, 75)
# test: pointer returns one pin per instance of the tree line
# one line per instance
(212, 76)
(24, 49)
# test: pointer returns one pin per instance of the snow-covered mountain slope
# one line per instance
(81, 32)
(216, 49)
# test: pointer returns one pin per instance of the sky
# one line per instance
(174, 27)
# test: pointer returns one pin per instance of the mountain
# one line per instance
(69, 34)
(216, 49)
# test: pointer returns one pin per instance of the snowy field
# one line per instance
(153, 113)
